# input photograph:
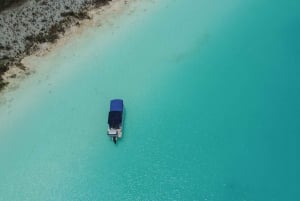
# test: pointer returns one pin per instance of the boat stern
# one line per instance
(112, 132)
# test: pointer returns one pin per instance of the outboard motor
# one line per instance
(115, 140)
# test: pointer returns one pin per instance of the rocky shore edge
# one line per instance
(25, 28)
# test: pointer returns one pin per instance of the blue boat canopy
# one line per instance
(116, 105)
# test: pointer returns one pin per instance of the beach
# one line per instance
(97, 17)
(22, 36)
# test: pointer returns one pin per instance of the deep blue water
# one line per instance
(212, 93)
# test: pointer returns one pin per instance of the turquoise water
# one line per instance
(211, 91)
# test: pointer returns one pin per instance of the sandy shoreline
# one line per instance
(97, 17)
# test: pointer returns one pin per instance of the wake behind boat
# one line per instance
(115, 119)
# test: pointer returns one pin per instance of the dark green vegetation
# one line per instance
(3, 69)
(7, 3)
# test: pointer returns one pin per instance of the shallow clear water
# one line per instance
(211, 91)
